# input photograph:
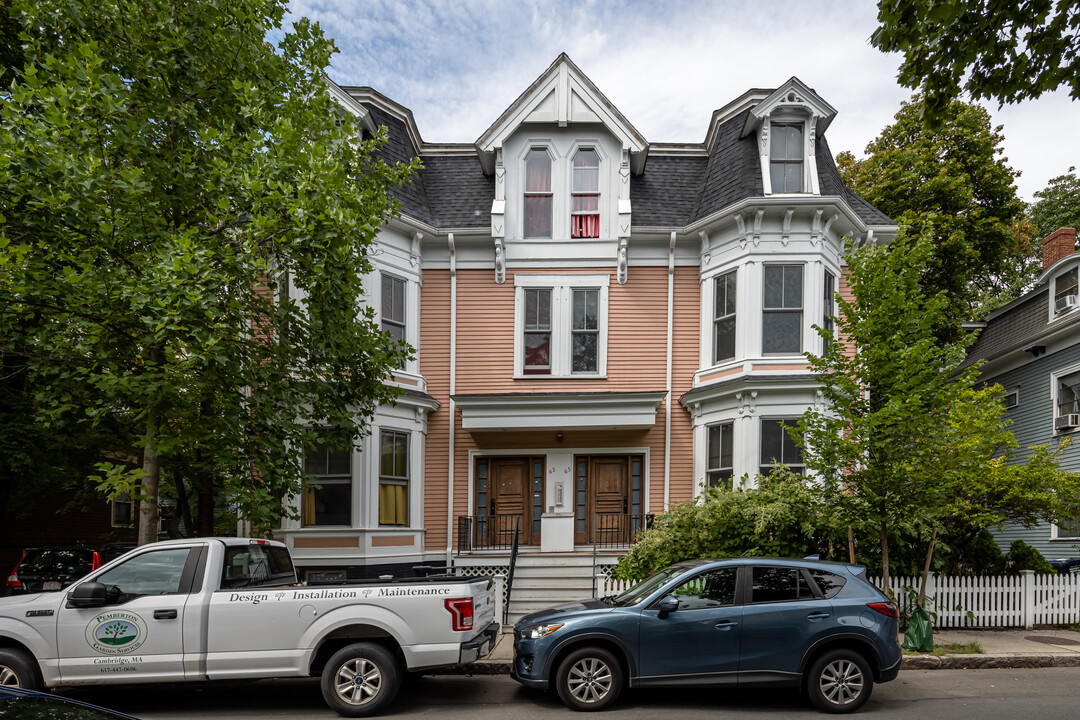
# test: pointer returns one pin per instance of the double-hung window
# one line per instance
(721, 444)
(1067, 418)
(778, 448)
(561, 325)
(828, 310)
(782, 310)
(585, 196)
(328, 495)
(393, 307)
(393, 478)
(1065, 291)
(724, 317)
(786, 157)
(538, 205)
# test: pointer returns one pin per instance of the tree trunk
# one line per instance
(182, 502)
(148, 492)
(926, 567)
(851, 545)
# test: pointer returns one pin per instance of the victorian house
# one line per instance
(604, 325)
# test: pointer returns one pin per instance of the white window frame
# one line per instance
(1055, 393)
(547, 148)
(774, 310)
(600, 195)
(802, 159)
(726, 427)
(406, 481)
(1015, 395)
(1070, 301)
(347, 479)
(789, 422)
(716, 360)
(561, 287)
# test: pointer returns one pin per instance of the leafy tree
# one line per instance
(165, 174)
(1007, 51)
(784, 517)
(952, 185)
(1057, 205)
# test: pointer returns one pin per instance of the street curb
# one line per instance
(910, 662)
(987, 662)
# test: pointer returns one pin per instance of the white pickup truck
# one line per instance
(230, 608)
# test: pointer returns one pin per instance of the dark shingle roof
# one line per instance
(666, 193)
(831, 184)
(458, 191)
(399, 148)
(1015, 327)
(734, 170)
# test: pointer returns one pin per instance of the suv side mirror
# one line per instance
(668, 605)
(87, 594)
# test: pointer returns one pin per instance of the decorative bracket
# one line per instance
(414, 253)
(500, 261)
(621, 260)
(747, 402)
(740, 223)
(705, 248)
(815, 227)
(757, 225)
(785, 233)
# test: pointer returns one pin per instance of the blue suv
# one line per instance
(766, 622)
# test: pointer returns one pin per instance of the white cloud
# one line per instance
(458, 64)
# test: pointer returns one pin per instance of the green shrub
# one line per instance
(783, 517)
(1024, 557)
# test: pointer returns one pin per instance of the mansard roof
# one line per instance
(674, 186)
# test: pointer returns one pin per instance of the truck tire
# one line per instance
(839, 681)
(360, 680)
(17, 669)
(589, 678)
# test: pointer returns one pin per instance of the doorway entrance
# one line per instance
(607, 497)
(508, 490)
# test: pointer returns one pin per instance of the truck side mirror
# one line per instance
(87, 594)
(668, 605)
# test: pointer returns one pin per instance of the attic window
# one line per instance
(585, 211)
(786, 156)
(1065, 292)
(538, 194)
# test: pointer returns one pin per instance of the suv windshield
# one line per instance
(649, 585)
(57, 561)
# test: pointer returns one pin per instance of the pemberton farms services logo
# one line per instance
(116, 633)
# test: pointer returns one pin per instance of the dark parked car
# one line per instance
(54, 567)
(743, 622)
(1066, 566)
(19, 704)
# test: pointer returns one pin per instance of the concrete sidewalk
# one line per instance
(1001, 649)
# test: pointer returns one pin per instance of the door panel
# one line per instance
(506, 487)
(602, 486)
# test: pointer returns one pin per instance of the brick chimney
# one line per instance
(1057, 245)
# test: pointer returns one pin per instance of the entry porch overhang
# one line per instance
(559, 411)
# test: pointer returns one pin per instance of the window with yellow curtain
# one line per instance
(393, 478)
(328, 494)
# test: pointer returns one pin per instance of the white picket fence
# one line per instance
(1023, 600)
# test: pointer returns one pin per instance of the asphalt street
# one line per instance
(916, 694)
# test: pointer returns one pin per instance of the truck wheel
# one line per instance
(17, 670)
(839, 682)
(590, 678)
(360, 680)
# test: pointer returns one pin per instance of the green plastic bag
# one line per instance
(920, 632)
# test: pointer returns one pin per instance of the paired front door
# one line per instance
(607, 495)
(509, 490)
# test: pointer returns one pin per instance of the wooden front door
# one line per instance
(601, 488)
(509, 488)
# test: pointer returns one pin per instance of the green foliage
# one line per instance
(782, 517)
(1007, 51)
(1057, 205)
(1024, 557)
(163, 170)
(952, 186)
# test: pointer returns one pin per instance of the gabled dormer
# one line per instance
(787, 124)
(562, 156)
(1061, 272)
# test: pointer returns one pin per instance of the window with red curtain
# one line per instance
(538, 194)
(585, 206)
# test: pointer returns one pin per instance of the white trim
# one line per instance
(559, 411)
(561, 321)
(1055, 384)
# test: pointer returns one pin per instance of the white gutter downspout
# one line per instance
(667, 401)
(453, 408)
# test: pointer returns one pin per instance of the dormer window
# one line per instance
(585, 207)
(786, 156)
(1065, 292)
(538, 194)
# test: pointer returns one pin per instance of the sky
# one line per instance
(666, 65)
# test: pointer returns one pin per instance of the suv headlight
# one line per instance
(538, 631)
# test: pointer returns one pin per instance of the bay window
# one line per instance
(393, 478)
(778, 448)
(328, 494)
(724, 317)
(782, 309)
(720, 448)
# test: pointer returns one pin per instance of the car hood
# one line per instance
(33, 601)
(554, 613)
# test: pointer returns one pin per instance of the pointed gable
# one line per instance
(565, 96)
(792, 95)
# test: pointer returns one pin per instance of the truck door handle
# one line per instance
(164, 614)
(816, 616)
(726, 624)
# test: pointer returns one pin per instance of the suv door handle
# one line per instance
(164, 614)
(726, 624)
(816, 616)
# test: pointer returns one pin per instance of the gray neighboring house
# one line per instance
(1031, 347)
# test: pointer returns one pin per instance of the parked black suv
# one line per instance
(54, 567)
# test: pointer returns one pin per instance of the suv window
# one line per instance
(58, 561)
(708, 590)
(778, 584)
(829, 583)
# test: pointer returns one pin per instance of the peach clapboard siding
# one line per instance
(847, 296)
(636, 361)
